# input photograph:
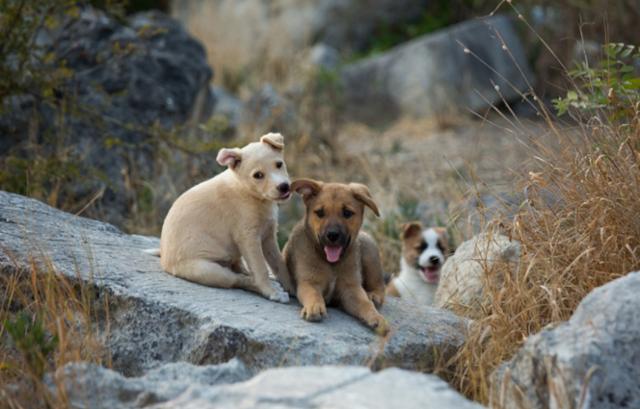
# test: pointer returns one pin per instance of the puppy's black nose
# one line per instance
(434, 260)
(283, 188)
(333, 236)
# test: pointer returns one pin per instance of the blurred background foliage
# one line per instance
(46, 164)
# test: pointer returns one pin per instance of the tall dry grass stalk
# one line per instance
(66, 310)
(579, 229)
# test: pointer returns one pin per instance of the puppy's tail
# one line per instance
(153, 252)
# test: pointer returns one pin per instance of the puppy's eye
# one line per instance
(279, 164)
(320, 213)
(440, 247)
(422, 247)
(346, 213)
(258, 175)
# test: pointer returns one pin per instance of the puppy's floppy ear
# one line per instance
(275, 140)
(361, 192)
(410, 230)
(306, 187)
(230, 157)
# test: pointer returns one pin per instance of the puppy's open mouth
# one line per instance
(431, 274)
(285, 196)
(333, 253)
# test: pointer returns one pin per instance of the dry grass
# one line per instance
(58, 316)
(579, 229)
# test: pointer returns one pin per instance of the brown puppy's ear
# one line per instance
(361, 192)
(230, 157)
(275, 140)
(306, 187)
(410, 229)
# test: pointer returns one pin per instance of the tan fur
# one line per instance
(217, 227)
(355, 282)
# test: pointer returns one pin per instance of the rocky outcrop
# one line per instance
(462, 279)
(433, 75)
(92, 386)
(241, 36)
(186, 386)
(155, 318)
(123, 78)
(591, 361)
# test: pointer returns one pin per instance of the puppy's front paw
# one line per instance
(377, 297)
(278, 294)
(314, 312)
(379, 324)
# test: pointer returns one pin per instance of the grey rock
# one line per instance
(125, 78)
(591, 361)
(268, 111)
(227, 106)
(463, 274)
(333, 387)
(92, 386)
(433, 75)
(324, 57)
(157, 318)
(225, 386)
(250, 35)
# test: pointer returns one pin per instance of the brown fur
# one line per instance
(355, 281)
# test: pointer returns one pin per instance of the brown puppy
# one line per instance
(329, 259)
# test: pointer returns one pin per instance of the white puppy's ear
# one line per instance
(306, 187)
(230, 157)
(275, 140)
(361, 193)
(411, 229)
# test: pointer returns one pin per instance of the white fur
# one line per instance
(412, 286)
(411, 282)
(432, 250)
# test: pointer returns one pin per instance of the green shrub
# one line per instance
(31, 339)
(611, 87)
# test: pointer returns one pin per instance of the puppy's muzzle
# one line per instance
(335, 236)
(334, 240)
(285, 190)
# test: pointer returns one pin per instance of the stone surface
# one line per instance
(432, 75)
(248, 35)
(591, 361)
(227, 106)
(124, 78)
(463, 274)
(296, 387)
(91, 386)
(324, 57)
(156, 318)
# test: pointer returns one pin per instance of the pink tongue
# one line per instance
(332, 253)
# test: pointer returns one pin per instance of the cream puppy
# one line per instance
(219, 228)
(423, 254)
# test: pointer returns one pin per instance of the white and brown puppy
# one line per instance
(423, 254)
(215, 226)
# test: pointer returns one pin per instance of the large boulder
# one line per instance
(463, 277)
(248, 35)
(433, 75)
(126, 83)
(156, 318)
(186, 386)
(591, 361)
